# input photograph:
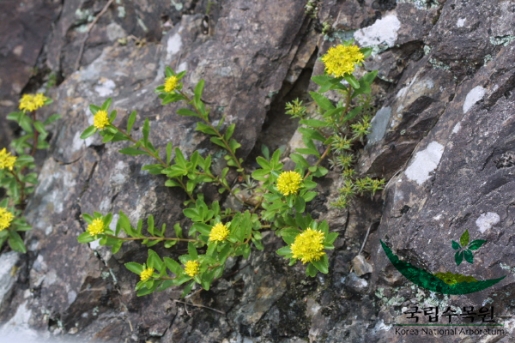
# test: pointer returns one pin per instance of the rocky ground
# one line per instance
(443, 137)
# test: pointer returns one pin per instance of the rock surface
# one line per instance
(442, 137)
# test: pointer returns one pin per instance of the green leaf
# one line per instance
(311, 270)
(173, 266)
(299, 160)
(469, 256)
(154, 260)
(312, 134)
(146, 130)
(284, 251)
(15, 242)
(168, 71)
(15, 116)
(90, 131)
(131, 151)
(204, 128)
(94, 109)
(308, 196)
(85, 237)
(150, 225)
(300, 204)
(352, 81)
(178, 230)
(198, 92)
(455, 245)
(131, 121)
(39, 126)
(322, 101)
(51, 119)
(229, 132)
(464, 239)
(458, 257)
(192, 251)
(314, 123)
(107, 104)
(187, 289)
(352, 114)
(322, 264)
(186, 112)
(476, 244)
(134, 267)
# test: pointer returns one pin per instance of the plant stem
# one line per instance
(206, 120)
(36, 135)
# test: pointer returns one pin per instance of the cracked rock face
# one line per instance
(442, 137)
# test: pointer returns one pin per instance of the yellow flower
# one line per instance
(289, 182)
(340, 60)
(191, 268)
(146, 274)
(31, 102)
(101, 120)
(308, 246)
(6, 218)
(96, 227)
(219, 233)
(6, 160)
(171, 83)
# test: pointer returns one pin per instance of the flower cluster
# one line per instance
(96, 227)
(101, 119)
(31, 102)
(6, 218)
(340, 60)
(219, 233)
(171, 83)
(191, 268)
(146, 274)
(6, 160)
(308, 246)
(289, 182)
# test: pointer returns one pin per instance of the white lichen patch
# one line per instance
(456, 128)
(424, 162)
(72, 295)
(77, 143)
(461, 22)
(119, 175)
(487, 220)
(174, 44)
(382, 32)
(182, 67)
(115, 31)
(477, 93)
(105, 88)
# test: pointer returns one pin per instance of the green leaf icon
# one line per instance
(458, 257)
(456, 245)
(464, 239)
(469, 257)
(474, 245)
